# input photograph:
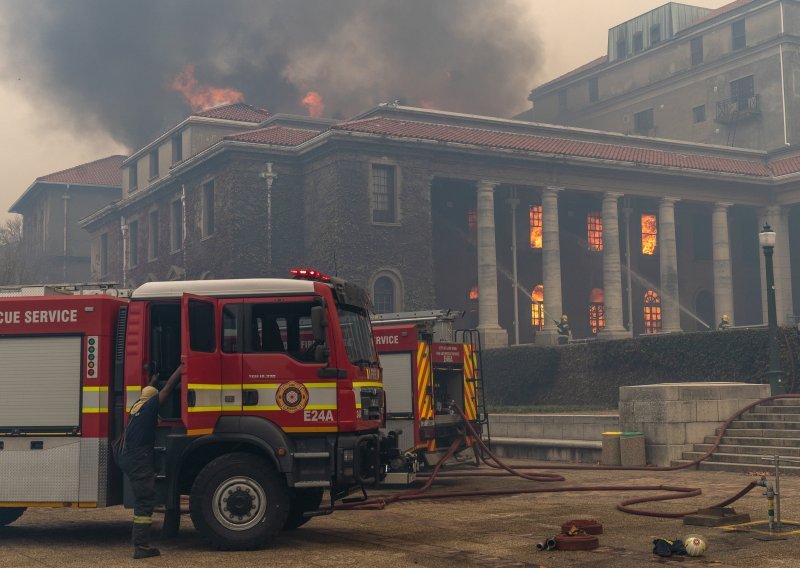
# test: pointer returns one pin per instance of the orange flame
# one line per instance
(202, 97)
(473, 293)
(536, 226)
(649, 234)
(538, 293)
(313, 102)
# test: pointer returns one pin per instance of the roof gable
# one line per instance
(105, 171)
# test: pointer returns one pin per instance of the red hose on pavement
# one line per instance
(673, 491)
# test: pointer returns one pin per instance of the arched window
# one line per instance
(537, 307)
(597, 315)
(652, 312)
(385, 294)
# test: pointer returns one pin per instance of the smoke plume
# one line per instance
(134, 69)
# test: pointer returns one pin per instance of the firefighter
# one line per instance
(724, 323)
(564, 331)
(136, 460)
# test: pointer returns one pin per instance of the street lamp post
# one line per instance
(766, 239)
(269, 176)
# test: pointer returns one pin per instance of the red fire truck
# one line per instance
(261, 426)
(428, 369)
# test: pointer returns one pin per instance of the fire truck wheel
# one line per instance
(10, 514)
(302, 500)
(239, 502)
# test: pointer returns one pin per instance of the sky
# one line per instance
(49, 125)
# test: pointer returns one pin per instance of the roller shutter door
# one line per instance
(397, 382)
(40, 382)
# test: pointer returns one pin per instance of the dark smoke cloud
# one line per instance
(108, 64)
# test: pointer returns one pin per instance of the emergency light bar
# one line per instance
(305, 274)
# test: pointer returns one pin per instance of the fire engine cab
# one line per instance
(262, 424)
(429, 369)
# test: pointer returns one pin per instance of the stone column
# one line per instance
(492, 335)
(612, 271)
(723, 279)
(778, 219)
(668, 265)
(551, 265)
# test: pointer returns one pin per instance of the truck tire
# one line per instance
(239, 502)
(10, 514)
(302, 500)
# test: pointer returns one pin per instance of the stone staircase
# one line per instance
(764, 431)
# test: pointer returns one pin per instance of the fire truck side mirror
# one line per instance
(318, 324)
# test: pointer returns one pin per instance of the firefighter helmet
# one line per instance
(564, 318)
(725, 317)
(695, 544)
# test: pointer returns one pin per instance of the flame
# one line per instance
(202, 97)
(313, 102)
(473, 293)
(597, 296)
(649, 234)
(538, 294)
(536, 226)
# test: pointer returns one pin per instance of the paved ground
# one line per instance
(491, 532)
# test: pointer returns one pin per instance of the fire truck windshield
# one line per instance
(357, 336)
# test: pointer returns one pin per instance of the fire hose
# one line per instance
(495, 462)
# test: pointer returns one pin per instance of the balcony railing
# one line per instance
(734, 110)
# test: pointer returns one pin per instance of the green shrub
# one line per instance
(590, 374)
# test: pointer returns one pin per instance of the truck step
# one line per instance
(311, 455)
(305, 484)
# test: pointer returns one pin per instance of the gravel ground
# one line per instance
(478, 531)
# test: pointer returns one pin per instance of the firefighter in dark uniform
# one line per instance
(564, 331)
(136, 460)
(724, 323)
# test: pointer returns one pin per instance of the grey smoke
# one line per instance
(108, 64)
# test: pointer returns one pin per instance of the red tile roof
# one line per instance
(585, 67)
(625, 152)
(105, 171)
(241, 112)
(785, 166)
(277, 135)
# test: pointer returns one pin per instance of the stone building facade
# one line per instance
(430, 209)
(55, 247)
(729, 76)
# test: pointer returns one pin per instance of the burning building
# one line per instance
(512, 222)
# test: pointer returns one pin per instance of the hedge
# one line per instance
(591, 373)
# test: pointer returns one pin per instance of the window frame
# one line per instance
(594, 231)
(738, 35)
(651, 312)
(699, 114)
(207, 220)
(394, 277)
(103, 254)
(177, 148)
(392, 195)
(133, 177)
(154, 166)
(276, 311)
(696, 50)
(153, 234)
(643, 233)
(638, 42)
(655, 31)
(594, 89)
(176, 235)
(535, 222)
(133, 243)
(638, 122)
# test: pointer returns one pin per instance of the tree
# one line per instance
(13, 267)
